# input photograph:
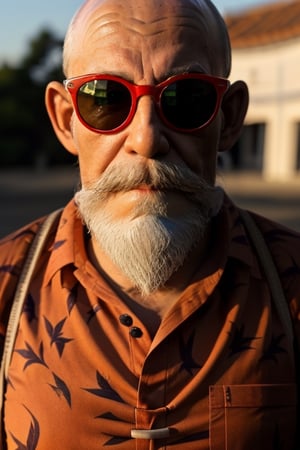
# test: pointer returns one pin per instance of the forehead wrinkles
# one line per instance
(133, 29)
(111, 23)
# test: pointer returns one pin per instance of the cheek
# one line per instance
(199, 152)
(95, 152)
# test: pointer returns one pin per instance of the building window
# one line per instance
(248, 153)
(298, 148)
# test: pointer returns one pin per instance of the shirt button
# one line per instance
(126, 320)
(136, 332)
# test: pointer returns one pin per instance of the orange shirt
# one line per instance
(217, 375)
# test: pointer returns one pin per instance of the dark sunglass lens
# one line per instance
(189, 103)
(104, 104)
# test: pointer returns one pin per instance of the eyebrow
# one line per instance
(191, 67)
(187, 68)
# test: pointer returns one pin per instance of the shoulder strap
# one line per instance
(29, 265)
(271, 273)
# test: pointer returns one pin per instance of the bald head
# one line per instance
(217, 41)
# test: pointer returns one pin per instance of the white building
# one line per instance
(266, 54)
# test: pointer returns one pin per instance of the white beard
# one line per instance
(148, 247)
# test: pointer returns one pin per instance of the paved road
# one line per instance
(26, 195)
(280, 201)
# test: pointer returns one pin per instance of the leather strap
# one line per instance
(271, 273)
(29, 265)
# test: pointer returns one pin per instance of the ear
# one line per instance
(60, 111)
(234, 107)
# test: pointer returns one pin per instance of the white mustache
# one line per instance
(156, 175)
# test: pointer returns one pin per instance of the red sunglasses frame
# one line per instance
(73, 85)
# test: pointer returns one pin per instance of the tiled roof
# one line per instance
(266, 24)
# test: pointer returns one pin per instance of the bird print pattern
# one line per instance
(79, 379)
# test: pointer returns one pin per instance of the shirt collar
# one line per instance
(239, 247)
(70, 231)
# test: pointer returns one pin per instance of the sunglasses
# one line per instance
(185, 103)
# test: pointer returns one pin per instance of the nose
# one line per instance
(145, 133)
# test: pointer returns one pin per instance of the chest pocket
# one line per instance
(253, 417)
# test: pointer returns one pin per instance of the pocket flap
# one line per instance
(247, 396)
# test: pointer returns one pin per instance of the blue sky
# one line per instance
(21, 19)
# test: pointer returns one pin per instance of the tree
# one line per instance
(26, 136)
